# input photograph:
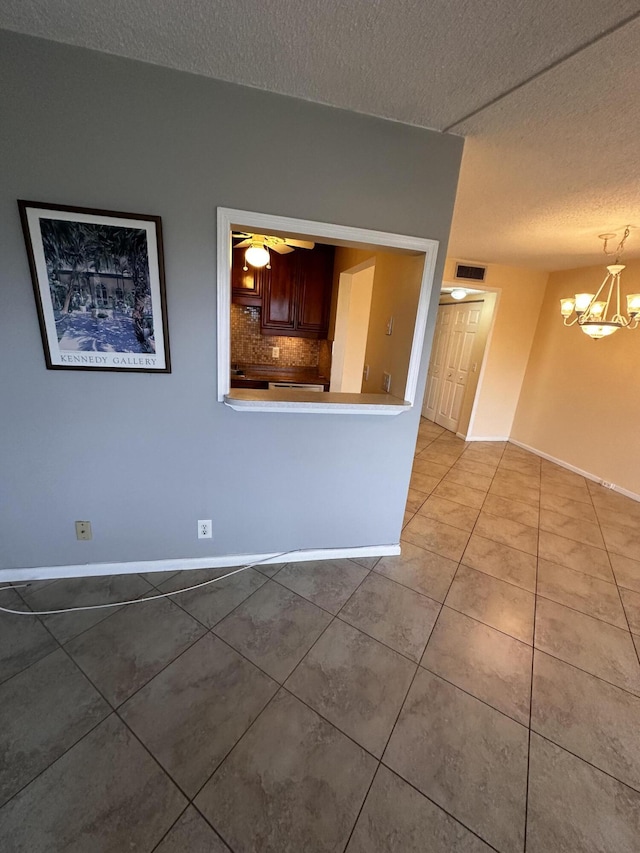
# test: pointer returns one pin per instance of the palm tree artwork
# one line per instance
(100, 286)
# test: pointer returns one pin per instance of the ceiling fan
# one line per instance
(258, 246)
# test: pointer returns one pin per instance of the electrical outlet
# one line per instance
(204, 528)
(275, 352)
(365, 372)
(386, 383)
(390, 326)
(83, 530)
(608, 485)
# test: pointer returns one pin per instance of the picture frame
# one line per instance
(99, 285)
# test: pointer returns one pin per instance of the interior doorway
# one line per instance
(459, 343)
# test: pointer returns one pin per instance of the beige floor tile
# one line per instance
(501, 561)
(566, 506)
(124, 651)
(444, 456)
(365, 562)
(627, 571)
(424, 483)
(294, 783)
(420, 570)
(193, 712)
(460, 494)
(564, 477)
(515, 493)
(455, 514)
(83, 591)
(581, 531)
(396, 817)
(591, 718)
(486, 663)
(105, 793)
(466, 478)
(585, 593)
(482, 468)
(327, 583)
(435, 536)
(574, 493)
(395, 615)
(415, 500)
(592, 814)
(513, 478)
(498, 604)
(427, 466)
(274, 629)
(592, 645)
(355, 683)
(210, 604)
(625, 542)
(31, 740)
(508, 532)
(466, 757)
(574, 555)
(191, 832)
(619, 518)
(407, 518)
(23, 640)
(518, 511)
(631, 601)
(520, 466)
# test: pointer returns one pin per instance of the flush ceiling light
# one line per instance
(257, 255)
(592, 312)
(458, 293)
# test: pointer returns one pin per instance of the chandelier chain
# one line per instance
(619, 248)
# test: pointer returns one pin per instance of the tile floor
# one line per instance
(480, 692)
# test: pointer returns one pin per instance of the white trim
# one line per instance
(482, 437)
(314, 402)
(589, 476)
(184, 563)
(229, 218)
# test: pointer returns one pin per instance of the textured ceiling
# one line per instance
(549, 161)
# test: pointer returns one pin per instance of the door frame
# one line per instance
(483, 288)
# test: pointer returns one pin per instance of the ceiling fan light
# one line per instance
(458, 293)
(257, 255)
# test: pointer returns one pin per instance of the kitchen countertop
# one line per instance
(314, 402)
(273, 373)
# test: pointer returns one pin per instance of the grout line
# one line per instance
(171, 827)
(586, 761)
(533, 655)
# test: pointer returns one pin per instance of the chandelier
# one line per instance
(592, 310)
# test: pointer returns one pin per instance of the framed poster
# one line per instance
(98, 279)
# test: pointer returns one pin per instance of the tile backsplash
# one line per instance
(248, 346)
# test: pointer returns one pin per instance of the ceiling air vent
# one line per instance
(469, 273)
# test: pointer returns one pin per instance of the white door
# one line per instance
(438, 361)
(462, 330)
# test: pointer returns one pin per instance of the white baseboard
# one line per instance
(482, 437)
(181, 564)
(587, 474)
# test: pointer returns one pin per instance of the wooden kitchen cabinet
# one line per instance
(246, 286)
(296, 297)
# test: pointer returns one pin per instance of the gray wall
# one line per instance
(144, 456)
